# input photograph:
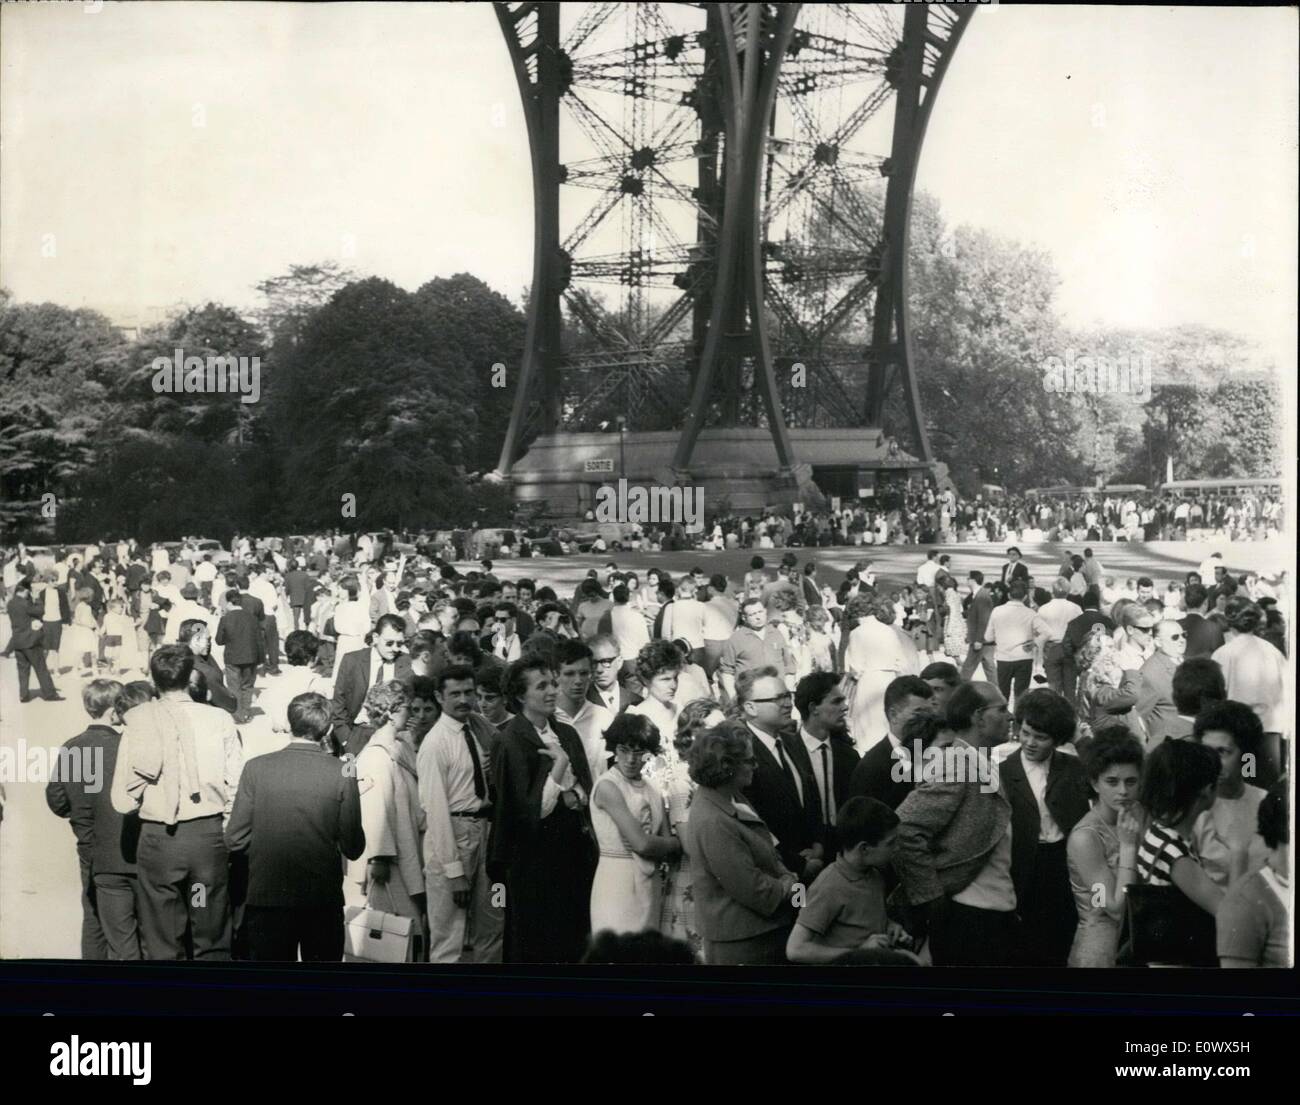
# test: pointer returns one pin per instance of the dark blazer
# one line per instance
(796, 825)
(1079, 628)
(215, 681)
(240, 632)
(1204, 635)
(22, 612)
(977, 614)
(253, 605)
(351, 686)
(1068, 798)
(874, 777)
(296, 812)
(105, 838)
(519, 773)
(299, 586)
(626, 697)
(1018, 570)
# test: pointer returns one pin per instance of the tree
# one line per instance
(59, 370)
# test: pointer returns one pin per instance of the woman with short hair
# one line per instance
(389, 873)
(743, 892)
(1255, 672)
(659, 666)
(628, 818)
(1225, 834)
(1102, 847)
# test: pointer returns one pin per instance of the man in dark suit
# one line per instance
(382, 662)
(207, 672)
(977, 620)
(1079, 628)
(1014, 568)
(875, 776)
(1204, 634)
(606, 689)
(1156, 704)
(106, 839)
(296, 811)
(27, 642)
(1049, 792)
(823, 708)
(240, 633)
(784, 790)
(301, 589)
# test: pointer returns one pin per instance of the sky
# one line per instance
(154, 154)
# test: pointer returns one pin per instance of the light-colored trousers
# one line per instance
(474, 934)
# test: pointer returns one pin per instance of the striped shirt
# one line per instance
(1160, 849)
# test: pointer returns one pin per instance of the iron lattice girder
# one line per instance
(688, 94)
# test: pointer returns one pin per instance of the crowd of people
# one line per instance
(930, 516)
(308, 744)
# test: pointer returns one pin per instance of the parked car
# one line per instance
(209, 547)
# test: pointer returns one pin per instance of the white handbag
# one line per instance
(375, 936)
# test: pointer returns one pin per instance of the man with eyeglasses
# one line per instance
(1155, 705)
(506, 644)
(784, 790)
(606, 663)
(755, 644)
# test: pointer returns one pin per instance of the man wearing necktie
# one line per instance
(784, 791)
(454, 765)
(361, 670)
(823, 708)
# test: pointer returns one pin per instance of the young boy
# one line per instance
(106, 839)
(845, 910)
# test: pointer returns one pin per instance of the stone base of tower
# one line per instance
(561, 474)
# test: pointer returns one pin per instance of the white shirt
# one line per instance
(381, 671)
(926, 572)
(590, 721)
(1255, 672)
(630, 629)
(506, 648)
(781, 757)
(551, 790)
(262, 588)
(1048, 831)
(1055, 617)
(825, 778)
(609, 697)
(1010, 628)
(687, 622)
(446, 781)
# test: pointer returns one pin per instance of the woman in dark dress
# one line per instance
(541, 849)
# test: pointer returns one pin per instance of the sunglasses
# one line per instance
(787, 697)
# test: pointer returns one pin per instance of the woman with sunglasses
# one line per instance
(628, 816)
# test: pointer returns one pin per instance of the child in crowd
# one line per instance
(845, 910)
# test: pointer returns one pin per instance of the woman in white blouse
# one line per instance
(874, 658)
(1255, 672)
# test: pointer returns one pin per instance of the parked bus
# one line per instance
(1185, 488)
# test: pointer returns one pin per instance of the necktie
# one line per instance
(480, 788)
(789, 771)
(379, 673)
(826, 781)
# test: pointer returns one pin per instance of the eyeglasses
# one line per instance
(1175, 637)
(788, 696)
